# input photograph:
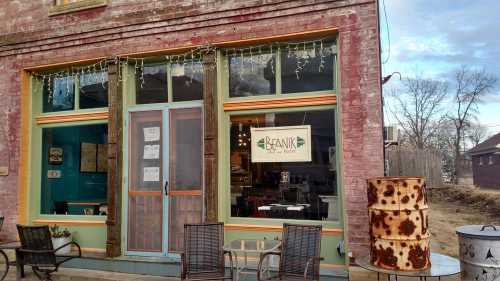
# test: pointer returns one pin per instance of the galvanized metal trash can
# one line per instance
(479, 252)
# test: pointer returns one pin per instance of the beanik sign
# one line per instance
(281, 144)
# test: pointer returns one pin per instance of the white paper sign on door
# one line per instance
(281, 144)
(152, 151)
(151, 174)
(151, 134)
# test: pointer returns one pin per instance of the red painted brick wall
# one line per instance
(29, 37)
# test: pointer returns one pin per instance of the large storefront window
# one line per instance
(74, 170)
(270, 187)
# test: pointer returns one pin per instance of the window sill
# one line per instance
(64, 221)
(330, 231)
(76, 7)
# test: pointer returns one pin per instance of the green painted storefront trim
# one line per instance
(92, 235)
(329, 242)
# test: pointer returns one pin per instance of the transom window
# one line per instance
(84, 91)
(169, 82)
(281, 69)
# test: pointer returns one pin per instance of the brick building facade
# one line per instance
(38, 36)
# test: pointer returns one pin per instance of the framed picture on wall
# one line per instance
(88, 157)
(55, 155)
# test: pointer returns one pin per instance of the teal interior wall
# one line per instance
(73, 185)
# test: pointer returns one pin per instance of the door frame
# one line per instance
(165, 108)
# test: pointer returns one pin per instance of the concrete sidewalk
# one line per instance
(70, 274)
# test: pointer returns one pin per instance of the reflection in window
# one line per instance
(151, 85)
(59, 94)
(94, 90)
(308, 69)
(251, 75)
(295, 190)
(74, 170)
(187, 81)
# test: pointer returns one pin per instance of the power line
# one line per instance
(388, 35)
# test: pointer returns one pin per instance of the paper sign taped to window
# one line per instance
(152, 151)
(151, 174)
(281, 144)
(152, 134)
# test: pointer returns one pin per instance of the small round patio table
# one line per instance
(441, 266)
(250, 246)
(11, 246)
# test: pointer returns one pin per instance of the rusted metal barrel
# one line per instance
(479, 252)
(397, 207)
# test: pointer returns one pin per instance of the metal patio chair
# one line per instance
(203, 256)
(299, 255)
(38, 252)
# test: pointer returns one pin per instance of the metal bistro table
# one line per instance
(255, 247)
(18, 263)
(441, 266)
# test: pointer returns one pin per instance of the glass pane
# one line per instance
(151, 87)
(145, 191)
(292, 190)
(94, 90)
(183, 210)
(307, 69)
(60, 95)
(186, 151)
(251, 75)
(74, 170)
(187, 81)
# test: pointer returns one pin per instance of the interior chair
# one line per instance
(61, 208)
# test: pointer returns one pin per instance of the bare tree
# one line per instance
(476, 133)
(471, 87)
(417, 108)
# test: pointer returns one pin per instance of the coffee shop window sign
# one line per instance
(281, 144)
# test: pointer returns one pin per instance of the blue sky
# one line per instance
(433, 38)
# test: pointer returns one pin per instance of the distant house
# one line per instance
(486, 163)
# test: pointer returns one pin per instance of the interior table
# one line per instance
(18, 262)
(254, 247)
(441, 266)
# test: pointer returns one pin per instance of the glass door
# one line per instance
(165, 168)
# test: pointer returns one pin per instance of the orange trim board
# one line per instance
(72, 117)
(24, 149)
(276, 228)
(69, 223)
(329, 99)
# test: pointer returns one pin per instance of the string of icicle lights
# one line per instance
(303, 52)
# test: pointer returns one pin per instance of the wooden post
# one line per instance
(115, 136)
(210, 136)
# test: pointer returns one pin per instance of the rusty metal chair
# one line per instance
(203, 256)
(38, 252)
(299, 255)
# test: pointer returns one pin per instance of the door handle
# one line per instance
(166, 188)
